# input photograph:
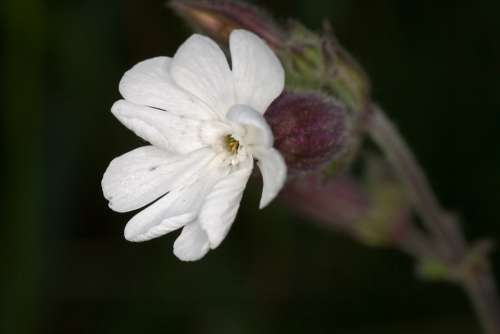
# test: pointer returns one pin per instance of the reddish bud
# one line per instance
(310, 130)
(372, 211)
(218, 18)
(337, 203)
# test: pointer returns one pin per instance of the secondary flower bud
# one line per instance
(310, 130)
(218, 18)
(371, 210)
(311, 58)
(334, 203)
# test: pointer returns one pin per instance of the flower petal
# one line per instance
(221, 205)
(258, 132)
(258, 75)
(273, 169)
(146, 173)
(200, 67)
(149, 83)
(166, 130)
(192, 244)
(169, 213)
(176, 209)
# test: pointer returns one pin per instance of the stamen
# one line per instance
(231, 144)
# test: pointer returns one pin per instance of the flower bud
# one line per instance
(371, 210)
(218, 18)
(310, 130)
(314, 61)
(333, 203)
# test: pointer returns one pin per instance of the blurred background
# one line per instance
(65, 266)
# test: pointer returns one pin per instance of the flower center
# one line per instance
(231, 144)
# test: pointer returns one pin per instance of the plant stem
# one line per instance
(405, 165)
(444, 231)
(482, 292)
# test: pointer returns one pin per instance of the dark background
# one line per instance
(65, 267)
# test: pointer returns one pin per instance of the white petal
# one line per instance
(166, 130)
(258, 132)
(273, 169)
(192, 244)
(200, 67)
(221, 204)
(149, 83)
(258, 75)
(169, 213)
(174, 210)
(146, 173)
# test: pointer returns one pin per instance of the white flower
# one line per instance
(205, 123)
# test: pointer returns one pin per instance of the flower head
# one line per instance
(204, 121)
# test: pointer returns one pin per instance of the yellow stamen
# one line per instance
(231, 144)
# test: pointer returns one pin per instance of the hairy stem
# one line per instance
(444, 231)
(404, 163)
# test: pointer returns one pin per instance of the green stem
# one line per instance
(444, 231)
